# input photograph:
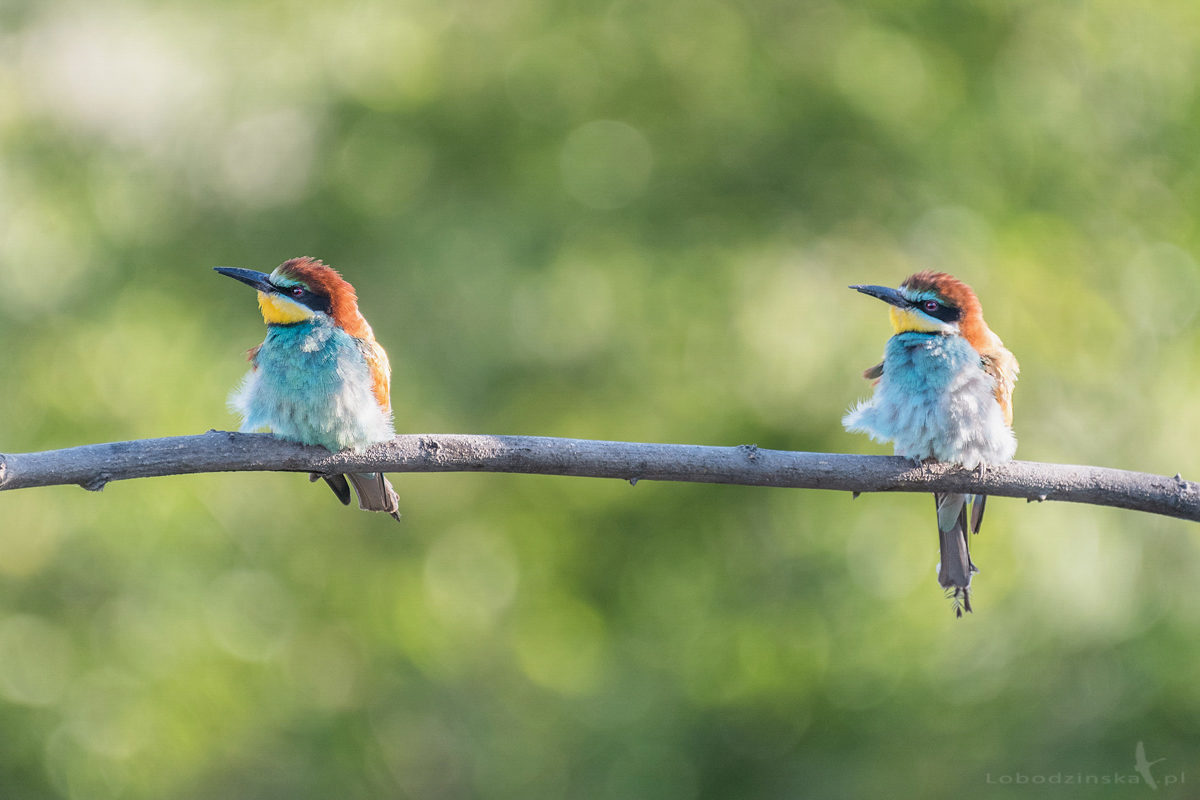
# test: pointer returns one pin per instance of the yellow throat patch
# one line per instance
(904, 321)
(277, 310)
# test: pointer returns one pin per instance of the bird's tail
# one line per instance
(375, 492)
(956, 569)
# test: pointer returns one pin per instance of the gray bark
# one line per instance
(92, 466)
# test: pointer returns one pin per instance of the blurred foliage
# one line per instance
(621, 220)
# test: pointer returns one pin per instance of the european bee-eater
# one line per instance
(943, 393)
(319, 377)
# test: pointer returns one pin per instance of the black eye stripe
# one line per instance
(943, 312)
(317, 302)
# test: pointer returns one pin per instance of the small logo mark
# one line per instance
(1143, 766)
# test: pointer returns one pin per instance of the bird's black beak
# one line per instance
(249, 277)
(885, 294)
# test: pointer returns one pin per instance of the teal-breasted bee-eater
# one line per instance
(319, 377)
(944, 393)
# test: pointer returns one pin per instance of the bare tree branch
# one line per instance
(92, 466)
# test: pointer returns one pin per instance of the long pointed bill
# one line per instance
(249, 277)
(885, 294)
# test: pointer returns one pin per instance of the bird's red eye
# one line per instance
(297, 291)
(931, 306)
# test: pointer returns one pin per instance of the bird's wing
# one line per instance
(337, 483)
(381, 372)
(977, 512)
(1003, 367)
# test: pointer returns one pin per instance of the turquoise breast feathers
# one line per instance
(311, 383)
(935, 401)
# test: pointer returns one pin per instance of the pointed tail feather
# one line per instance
(955, 569)
(375, 493)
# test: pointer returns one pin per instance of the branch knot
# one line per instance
(97, 482)
(750, 451)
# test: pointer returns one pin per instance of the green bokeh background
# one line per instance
(617, 220)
